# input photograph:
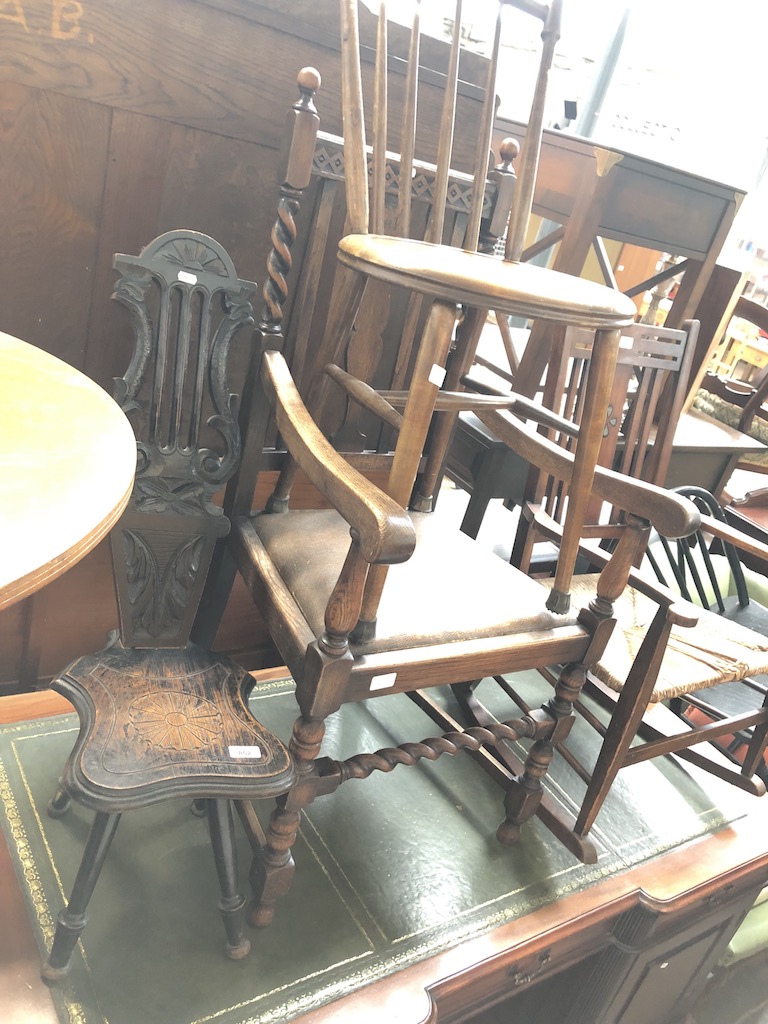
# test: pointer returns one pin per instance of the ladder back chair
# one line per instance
(679, 636)
(161, 717)
(645, 401)
(373, 596)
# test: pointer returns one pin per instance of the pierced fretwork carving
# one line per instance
(329, 163)
(186, 304)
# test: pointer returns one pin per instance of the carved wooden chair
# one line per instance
(162, 717)
(373, 596)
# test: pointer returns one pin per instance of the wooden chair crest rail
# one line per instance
(161, 717)
(372, 597)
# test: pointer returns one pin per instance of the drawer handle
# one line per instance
(518, 977)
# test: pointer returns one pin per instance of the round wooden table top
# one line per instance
(67, 459)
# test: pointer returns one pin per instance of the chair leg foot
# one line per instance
(221, 825)
(524, 794)
(59, 803)
(72, 919)
(272, 867)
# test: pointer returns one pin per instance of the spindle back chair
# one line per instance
(376, 596)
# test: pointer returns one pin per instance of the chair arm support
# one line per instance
(383, 528)
(679, 611)
(672, 515)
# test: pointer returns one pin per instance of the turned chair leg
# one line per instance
(72, 919)
(221, 826)
(272, 867)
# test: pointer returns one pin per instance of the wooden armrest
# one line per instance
(672, 515)
(384, 529)
(734, 536)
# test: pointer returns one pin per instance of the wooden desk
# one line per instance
(705, 451)
(630, 944)
(67, 459)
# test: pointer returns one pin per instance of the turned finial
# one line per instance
(308, 80)
(508, 151)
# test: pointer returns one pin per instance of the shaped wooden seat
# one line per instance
(161, 717)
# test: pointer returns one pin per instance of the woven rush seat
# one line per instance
(715, 650)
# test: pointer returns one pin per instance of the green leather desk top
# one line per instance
(390, 871)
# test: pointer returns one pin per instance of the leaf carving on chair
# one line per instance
(159, 593)
(131, 290)
(175, 720)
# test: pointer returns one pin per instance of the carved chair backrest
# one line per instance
(646, 401)
(186, 304)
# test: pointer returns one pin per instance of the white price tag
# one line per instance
(245, 753)
(437, 375)
(383, 682)
(186, 277)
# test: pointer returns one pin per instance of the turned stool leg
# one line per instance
(232, 903)
(72, 919)
(272, 867)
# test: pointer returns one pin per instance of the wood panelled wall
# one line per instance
(120, 120)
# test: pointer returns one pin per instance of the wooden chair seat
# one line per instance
(185, 716)
(473, 594)
(477, 279)
(715, 650)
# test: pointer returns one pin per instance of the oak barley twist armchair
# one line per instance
(372, 596)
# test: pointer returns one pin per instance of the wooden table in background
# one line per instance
(67, 460)
(705, 452)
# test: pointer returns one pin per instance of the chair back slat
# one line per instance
(408, 127)
(528, 161)
(445, 144)
(380, 123)
(480, 169)
(355, 159)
